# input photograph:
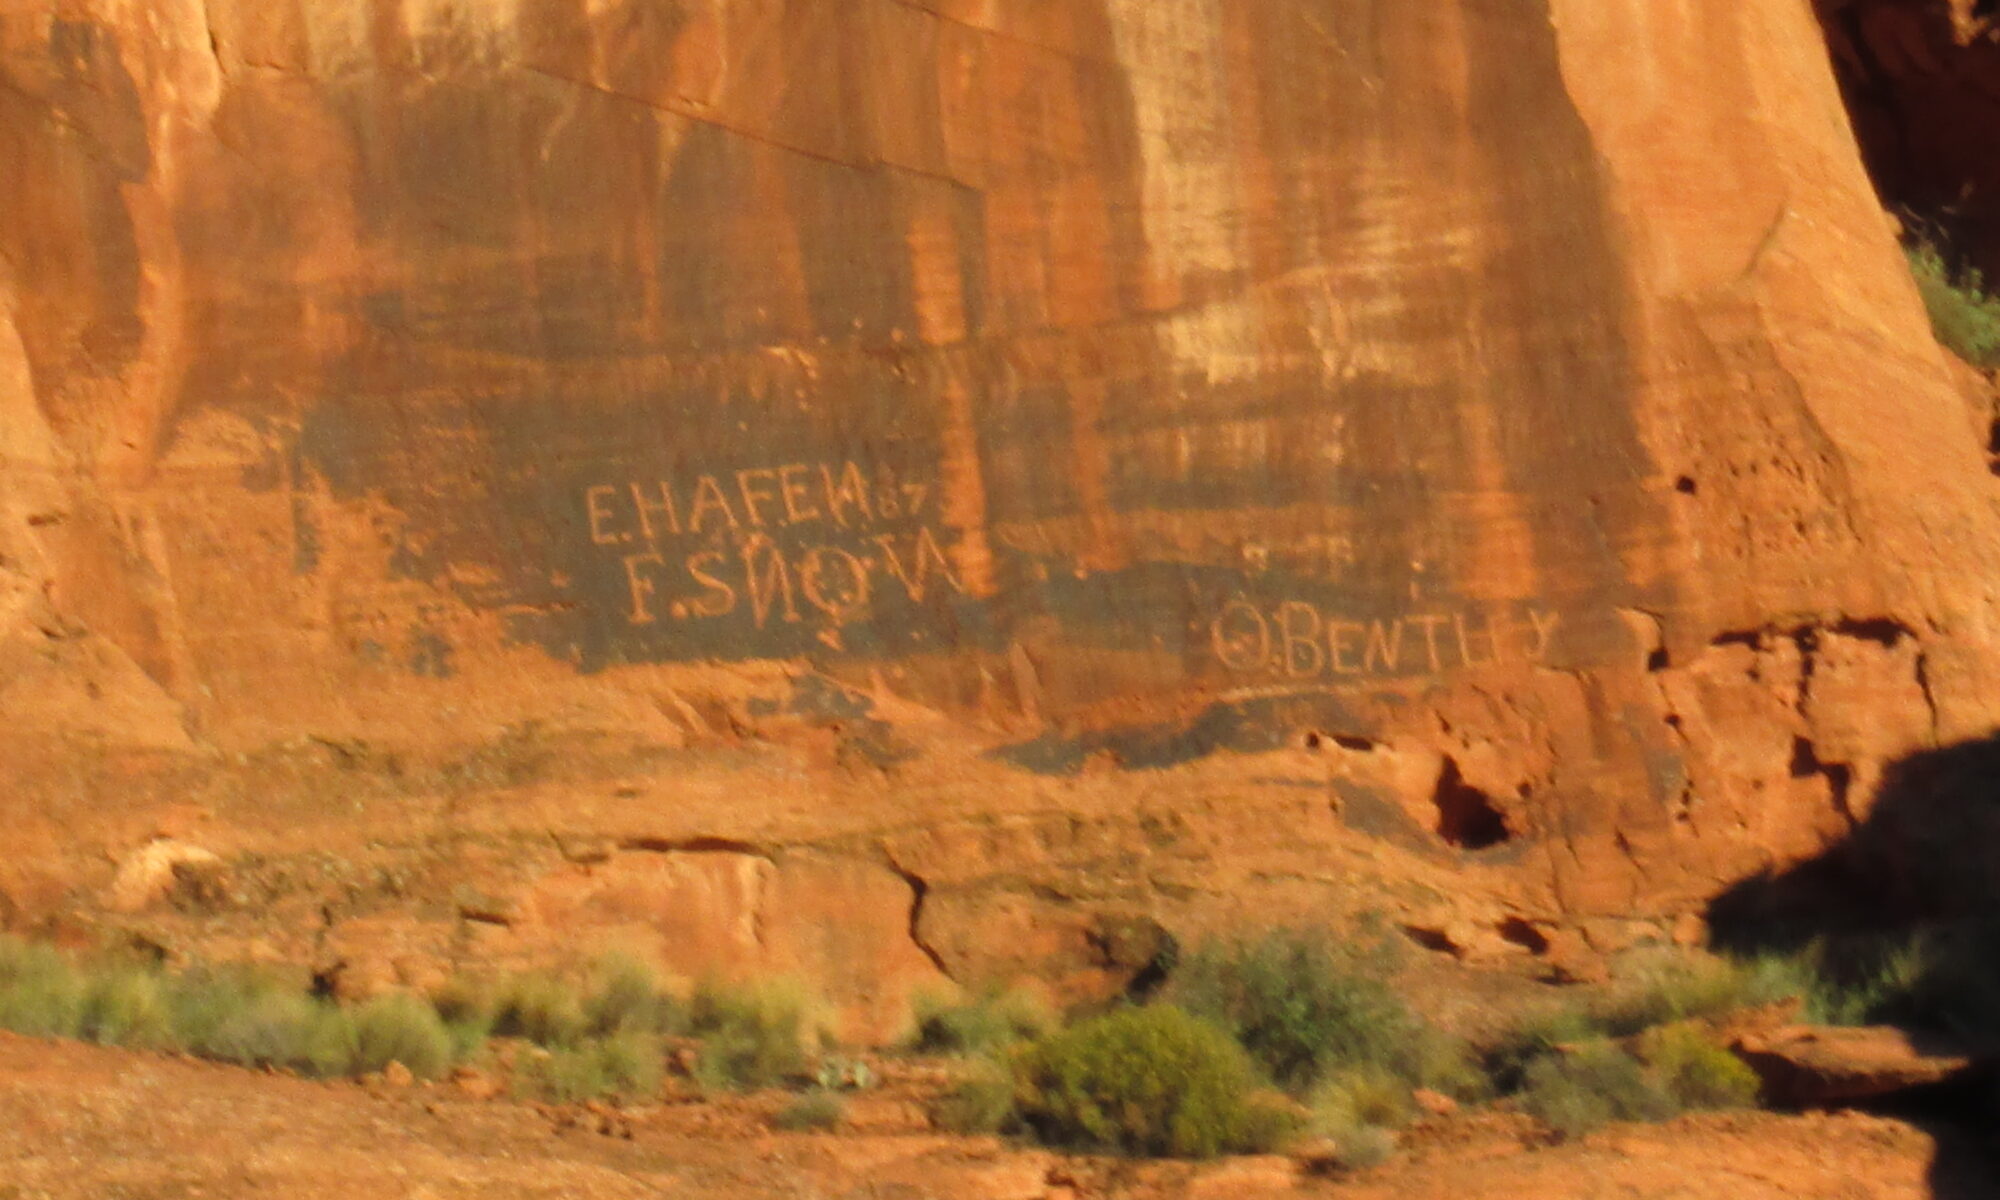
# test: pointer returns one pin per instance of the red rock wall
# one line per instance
(880, 489)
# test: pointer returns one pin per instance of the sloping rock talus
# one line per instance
(1037, 479)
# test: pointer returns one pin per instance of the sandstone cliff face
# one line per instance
(911, 487)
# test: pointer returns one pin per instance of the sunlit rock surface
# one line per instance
(972, 488)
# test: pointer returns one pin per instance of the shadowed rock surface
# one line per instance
(888, 489)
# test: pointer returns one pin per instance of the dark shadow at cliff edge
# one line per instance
(1917, 76)
(1902, 920)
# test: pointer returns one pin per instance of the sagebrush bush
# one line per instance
(1592, 1085)
(596, 1038)
(271, 1027)
(624, 1066)
(1306, 1006)
(42, 994)
(624, 996)
(1695, 1072)
(128, 1006)
(1153, 1081)
(1365, 1096)
(1964, 316)
(752, 1035)
(981, 1101)
(984, 1024)
(1670, 986)
(1540, 1034)
(1359, 1110)
(401, 1028)
(540, 1007)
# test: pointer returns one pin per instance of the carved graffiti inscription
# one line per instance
(781, 543)
(1299, 640)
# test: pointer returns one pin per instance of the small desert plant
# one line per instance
(1550, 1031)
(539, 1007)
(1964, 316)
(466, 1006)
(982, 1101)
(1306, 1006)
(625, 996)
(752, 1035)
(401, 1028)
(42, 994)
(986, 1024)
(814, 1111)
(1359, 1110)
(1575, 1091)
(1670, 986)
(1696, 1072)
(269, 1026)
(128, 1006)
(1368, 1095)
(1151, 1081)
(625, 1066)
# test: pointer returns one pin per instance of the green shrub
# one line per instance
(467, 1006)
(1965, 318)
(1670, 986)
(1359, 1110)
(1305, 1006)
(541, 1008)
(1539, 1035)
(267, 1027)
(1361, 1146)
(398, 1027)
(42, 994)
(982, 1101)
(812, 1111)
(1152, 1081)
(625, 1066)
(625, 997)
(1695, 1072)
(751, 1035)
(128, 1006)
(984, 1025)
(1591, 1085)
(1365, 1096)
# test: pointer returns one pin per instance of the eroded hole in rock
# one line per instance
(1520, 932)
(1429, 939)
(1884, 631)
(1657, 661)
(1685, 485)
(1467, 817)
(1346, 741)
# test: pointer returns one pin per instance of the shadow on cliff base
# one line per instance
(1901, 920)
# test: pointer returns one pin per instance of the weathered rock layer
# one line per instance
(911, 486)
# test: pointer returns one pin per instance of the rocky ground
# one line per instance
(78, 1121)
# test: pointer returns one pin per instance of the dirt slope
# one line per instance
(86, 1123)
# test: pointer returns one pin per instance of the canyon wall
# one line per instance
(897, 489)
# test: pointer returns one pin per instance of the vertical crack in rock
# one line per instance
(1923, 669)
(920, 890)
